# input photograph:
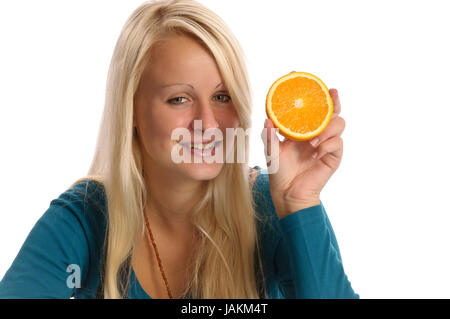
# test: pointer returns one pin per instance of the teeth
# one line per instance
(202, 146)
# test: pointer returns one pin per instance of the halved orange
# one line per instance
(299, 105)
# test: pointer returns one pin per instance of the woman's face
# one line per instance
(181, 85)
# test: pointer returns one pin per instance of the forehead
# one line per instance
(180, 58)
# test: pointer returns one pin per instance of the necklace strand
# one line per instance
(149, 232)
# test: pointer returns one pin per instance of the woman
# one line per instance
(141, 224)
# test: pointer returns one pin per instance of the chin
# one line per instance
(201, 171)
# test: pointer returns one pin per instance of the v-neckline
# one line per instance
(140, 291)
(133, 278)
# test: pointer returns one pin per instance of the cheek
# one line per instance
(156, 130)
(230, 119)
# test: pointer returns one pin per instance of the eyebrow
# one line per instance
(221, 83)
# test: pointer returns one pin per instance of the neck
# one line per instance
(170, 200)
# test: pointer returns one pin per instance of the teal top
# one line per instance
(300, 254)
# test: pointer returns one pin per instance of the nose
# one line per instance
(205, 112)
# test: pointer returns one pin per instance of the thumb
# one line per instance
(271, 145)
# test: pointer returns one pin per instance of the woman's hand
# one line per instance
(304, 167)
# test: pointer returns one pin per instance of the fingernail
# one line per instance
(315, 155)
(314, 142)
(265, 123)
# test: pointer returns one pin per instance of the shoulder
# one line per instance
(82, 208)
(89, 193)
(78, 218)
(87, 200)
(69, 233)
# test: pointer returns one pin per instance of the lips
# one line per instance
(202, 142)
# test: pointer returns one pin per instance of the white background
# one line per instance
(388, 201)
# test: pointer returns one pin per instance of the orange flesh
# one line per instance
(313, 110)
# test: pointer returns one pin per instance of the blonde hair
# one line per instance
(225, 259)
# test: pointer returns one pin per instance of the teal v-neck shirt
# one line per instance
(62, 255)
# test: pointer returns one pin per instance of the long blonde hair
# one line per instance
(224, 263)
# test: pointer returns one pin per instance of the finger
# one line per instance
(271, 142)
(334, 128)
(336, 102)
(334, 145)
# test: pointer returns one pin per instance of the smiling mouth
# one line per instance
(201, 146)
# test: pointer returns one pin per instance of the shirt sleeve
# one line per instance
(54, 259)
(308, 259)
(301, 253)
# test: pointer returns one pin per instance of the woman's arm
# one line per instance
(308, 259)
(301, 249)
(54, 259)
